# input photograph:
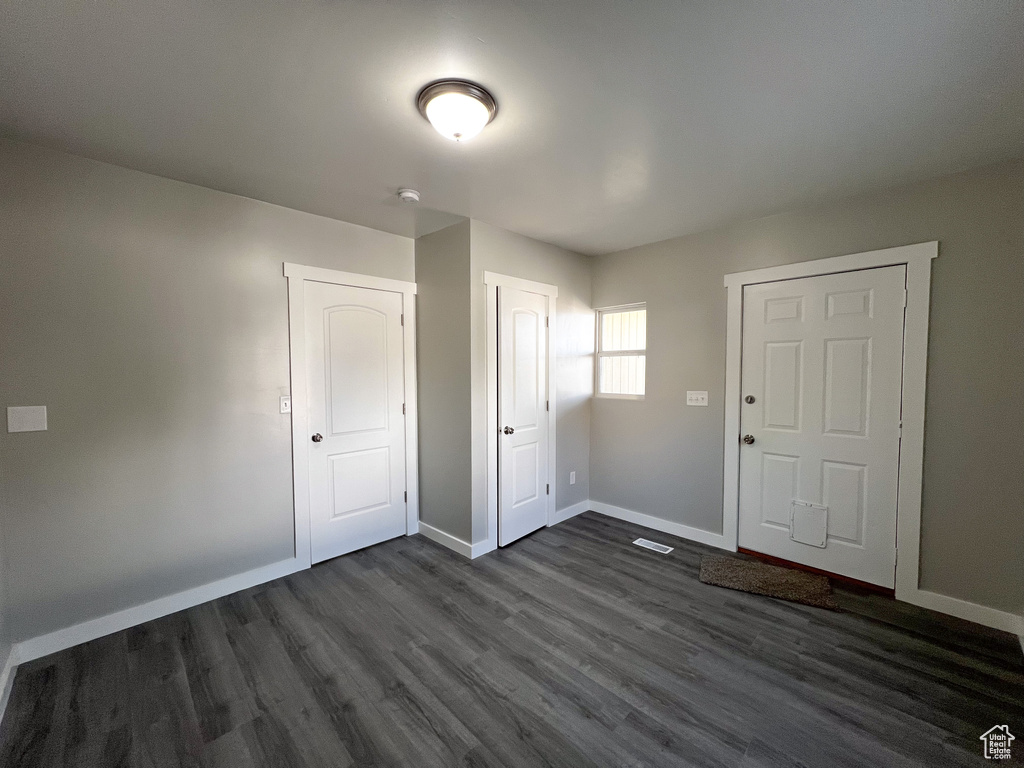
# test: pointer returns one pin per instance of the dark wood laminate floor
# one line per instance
(572, 648)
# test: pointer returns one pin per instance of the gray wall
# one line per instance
(659, 457)
(498, 250)
(443, 362)
(452, 323)
(151, 317)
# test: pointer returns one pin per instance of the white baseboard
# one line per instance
(665, 526)
(562, 515)
(7, 679)
(454, 543)
(44, 645)
(954, 606)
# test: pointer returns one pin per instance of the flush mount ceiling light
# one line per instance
(458, 109)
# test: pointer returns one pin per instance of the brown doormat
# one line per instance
(771, 580)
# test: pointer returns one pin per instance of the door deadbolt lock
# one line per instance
(318, 438)
(748, 439)
(508, 430)
(749, 399)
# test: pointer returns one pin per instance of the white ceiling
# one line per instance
(619, 123)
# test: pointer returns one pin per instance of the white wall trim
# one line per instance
(412, 418)
(979, 614)
(492, 280)
(454, 543)
(61, 639)
(658, 524)
(356, 280)
(530, 286)
(561, 515)
(918, 253)
(7, 679)
(917, 258)
(297, 274)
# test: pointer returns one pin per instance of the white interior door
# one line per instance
(522, 413)
(822, 364)
(355, 375)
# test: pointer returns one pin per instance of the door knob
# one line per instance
(748, 439)
(749, 399)
(508, 430)
(318, 438)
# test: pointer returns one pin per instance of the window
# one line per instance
(621, 351)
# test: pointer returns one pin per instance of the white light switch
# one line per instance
(286, 403)
(572, 478)
(696, 398)
(26, 418)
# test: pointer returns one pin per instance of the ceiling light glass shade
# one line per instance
(458, 109)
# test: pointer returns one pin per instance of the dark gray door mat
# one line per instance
(771, 580)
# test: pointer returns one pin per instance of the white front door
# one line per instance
(820, 416)
(522, 413)
(355, 375)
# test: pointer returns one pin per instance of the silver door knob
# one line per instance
(318, 438)
(749, 399)
(748, 439)
(508, 430)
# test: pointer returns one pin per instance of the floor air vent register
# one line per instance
(653, 545)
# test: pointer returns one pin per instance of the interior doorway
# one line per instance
(521, 406)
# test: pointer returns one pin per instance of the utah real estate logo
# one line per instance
(997, 742)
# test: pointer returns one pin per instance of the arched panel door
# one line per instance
(356, 447)
(522, 413)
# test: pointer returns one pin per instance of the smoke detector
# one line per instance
(408, 195)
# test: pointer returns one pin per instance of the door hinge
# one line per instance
(547, 405)
(403, 409)
(547, 322)
(904, 298)
(403, 318)
(901, 430)
(548, 490)
(406, 497)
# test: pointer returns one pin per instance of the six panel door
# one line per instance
(355, 360)
(522, 413)
(822, 362)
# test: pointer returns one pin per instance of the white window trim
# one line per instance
(918, 259)
(620, 353)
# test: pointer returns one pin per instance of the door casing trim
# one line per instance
(492, 280)
(297, 274)
(918, 260)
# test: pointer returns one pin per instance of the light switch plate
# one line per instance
(286, 404)
(26, 418)
(572, 478)
(696, 398)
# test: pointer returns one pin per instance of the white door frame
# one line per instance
(918, 260)
(296, 275)
(492, 281)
